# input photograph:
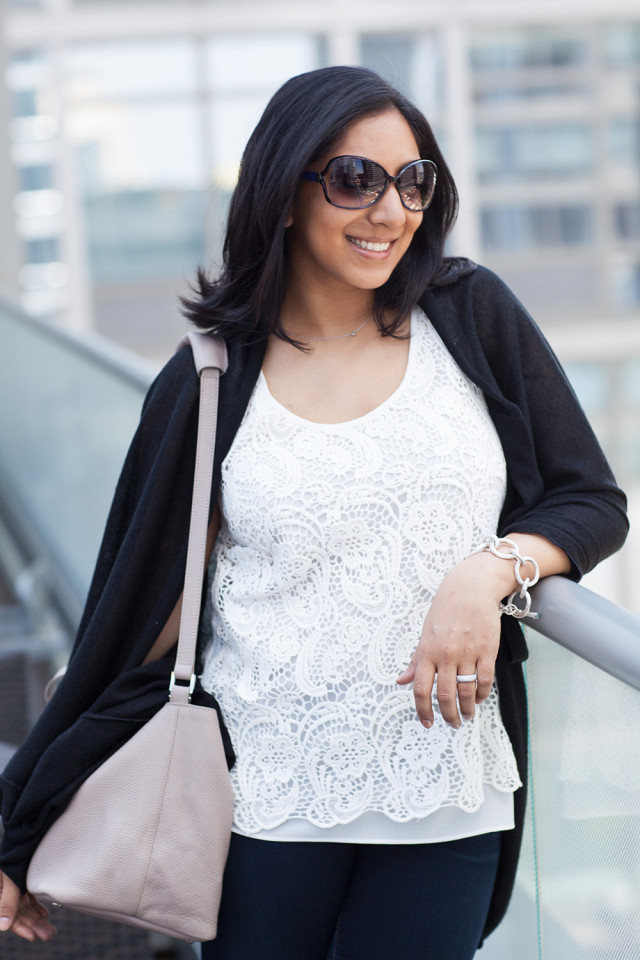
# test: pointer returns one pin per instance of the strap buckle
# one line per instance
(182, 683)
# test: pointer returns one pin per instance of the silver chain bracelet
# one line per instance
(510, 551)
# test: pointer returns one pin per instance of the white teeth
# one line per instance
(376, 247)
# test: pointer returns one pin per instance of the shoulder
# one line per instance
(463, 280)
(476, 310)
(176, 380)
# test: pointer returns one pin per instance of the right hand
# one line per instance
(22, 913)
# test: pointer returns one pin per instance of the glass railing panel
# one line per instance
(585, 734)
(67, 413)
(577, 894)
(517, 936)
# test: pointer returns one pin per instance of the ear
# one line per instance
(289, 221)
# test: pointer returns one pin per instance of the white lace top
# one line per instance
(334, 540)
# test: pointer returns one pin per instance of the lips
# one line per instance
(373, 247)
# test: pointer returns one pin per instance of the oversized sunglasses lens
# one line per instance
(355, 182)
(416, 185)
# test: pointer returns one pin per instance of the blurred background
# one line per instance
(122, 123)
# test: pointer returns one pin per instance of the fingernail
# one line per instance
(427, 723)
(5, 923)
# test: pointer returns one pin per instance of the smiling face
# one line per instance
(347, 250)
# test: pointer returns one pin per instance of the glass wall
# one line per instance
(133, 120)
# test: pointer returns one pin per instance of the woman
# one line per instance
(385, 411)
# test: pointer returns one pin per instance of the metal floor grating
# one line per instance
(83, 938)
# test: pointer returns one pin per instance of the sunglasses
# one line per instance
(356, 182)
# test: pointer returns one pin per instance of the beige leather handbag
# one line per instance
(144, 841)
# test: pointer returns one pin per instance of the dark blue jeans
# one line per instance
(349, 901)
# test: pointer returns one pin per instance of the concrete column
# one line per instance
(76, 313)
(343, 47)
(10, 246)
(459, 146)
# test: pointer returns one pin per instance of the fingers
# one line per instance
(9, 902)
(22, 913)
(467, 694)
(486, 669)
(456, 699)
(422, 693)
(31, 923)
(409, 674)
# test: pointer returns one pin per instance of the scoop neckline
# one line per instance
(365, 416)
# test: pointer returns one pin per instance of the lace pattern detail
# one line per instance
(333, 543)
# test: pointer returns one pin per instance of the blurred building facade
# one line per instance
(124, 122)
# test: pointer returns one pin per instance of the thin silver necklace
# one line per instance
(341, 336)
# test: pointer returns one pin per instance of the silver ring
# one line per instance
(466, 677)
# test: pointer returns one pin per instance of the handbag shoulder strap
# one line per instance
(210, 358)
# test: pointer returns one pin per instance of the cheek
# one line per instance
(415, 223)
(412, 226)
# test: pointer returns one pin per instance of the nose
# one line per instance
(388, 209)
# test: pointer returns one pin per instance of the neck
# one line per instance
(302, 318)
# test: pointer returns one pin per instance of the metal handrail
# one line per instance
(595, 629)
(92, 346)
(21, 541)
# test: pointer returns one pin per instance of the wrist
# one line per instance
(524, 572)
(498, 578)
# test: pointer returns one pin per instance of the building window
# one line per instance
(626, 285)
(627, 220)
(243, 72)
(497, 91)
(629, 382)
(623, 140)
(133, 118)
(131, 68)
(622, 44)
(24, 103)
(558, 150)
(590, 380)
(39, 177)
(42, 250)
(391, 56)
(518, 228)
(530, 48)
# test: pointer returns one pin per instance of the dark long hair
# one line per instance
(302, 121)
